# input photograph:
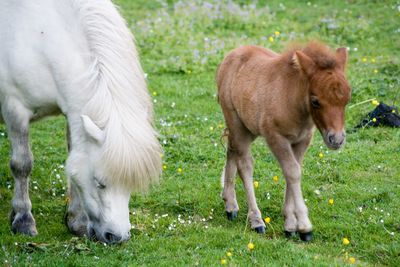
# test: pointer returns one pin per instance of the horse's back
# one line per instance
(239, 82)
(240, 56)
(41, 51)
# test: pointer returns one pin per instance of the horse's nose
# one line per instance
(336, 140)
(112, 238)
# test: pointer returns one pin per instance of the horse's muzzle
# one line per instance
(108, 237)
(334, 140)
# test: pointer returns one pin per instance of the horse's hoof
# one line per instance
(306, 237)
(260, 229)
(77, 225)
(23, 224)
(232, 215)
(290, 234)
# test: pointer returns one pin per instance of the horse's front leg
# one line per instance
(295, 209)
(17, 119)
(75, 217)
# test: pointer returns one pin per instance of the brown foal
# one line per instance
(280, 97)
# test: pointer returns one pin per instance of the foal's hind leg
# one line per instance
(75, 217)
(228, 183)
(17, 119)
(240, 150)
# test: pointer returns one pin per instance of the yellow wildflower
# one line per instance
(179, 170)
(364, 59)
(164, 167)
(223, 262)
(374, 119)
(275, 178)
(375, 71)
(321, 155)
(229, 254)
(330, 201)
(277, 33)
(267, 220)
(220, 125)
(271, 39)
(346, 241)
(250, 246)
(155, 93)
(375, 102)
(352, 260)
(256, 184)
(373, 60)
(211, 128)
(393, 111)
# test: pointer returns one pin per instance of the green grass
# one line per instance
(181, 46)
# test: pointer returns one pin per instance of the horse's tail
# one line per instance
(121, 104)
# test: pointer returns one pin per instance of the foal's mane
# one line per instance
(120, 104)
(320, 53)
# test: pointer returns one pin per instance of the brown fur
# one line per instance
(263, 93)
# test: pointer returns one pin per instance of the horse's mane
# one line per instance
(120, 105)
(320, 53)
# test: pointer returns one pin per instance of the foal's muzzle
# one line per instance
(334, 140)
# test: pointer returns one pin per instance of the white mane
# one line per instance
(120, 104)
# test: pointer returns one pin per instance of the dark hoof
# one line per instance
(232, 215)
(260, 229)
(77, 225)
(306, 237)
(290, 234)
(23, 224)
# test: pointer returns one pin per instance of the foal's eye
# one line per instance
(314, 102)
(99, 184)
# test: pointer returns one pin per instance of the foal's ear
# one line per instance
(341, 55)
(303, 62)
(92, 129)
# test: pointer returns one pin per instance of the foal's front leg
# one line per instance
(295, 209)
(17, 119)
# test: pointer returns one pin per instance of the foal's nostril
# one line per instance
(111, 238)
(331, 138)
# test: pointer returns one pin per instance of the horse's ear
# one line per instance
(303, 62)
(92, 129)
(341, 55)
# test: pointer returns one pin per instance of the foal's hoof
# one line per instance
(232, 215)
(306, 237)
(260, 229)
(23, 223)
(290, 234)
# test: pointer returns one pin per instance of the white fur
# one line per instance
(78, 57)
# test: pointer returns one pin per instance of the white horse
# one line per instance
(78, 58)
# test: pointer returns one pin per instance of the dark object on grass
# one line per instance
(382, 115)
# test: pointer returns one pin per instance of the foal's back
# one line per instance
(255, 83)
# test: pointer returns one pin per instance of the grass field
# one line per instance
(182, 221)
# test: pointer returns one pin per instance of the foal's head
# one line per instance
(329, 91)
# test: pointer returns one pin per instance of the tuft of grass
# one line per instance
(182, 222)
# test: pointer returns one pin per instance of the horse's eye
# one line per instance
(99, 184)
(314, 102)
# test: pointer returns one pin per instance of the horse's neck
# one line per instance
(297, 95)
